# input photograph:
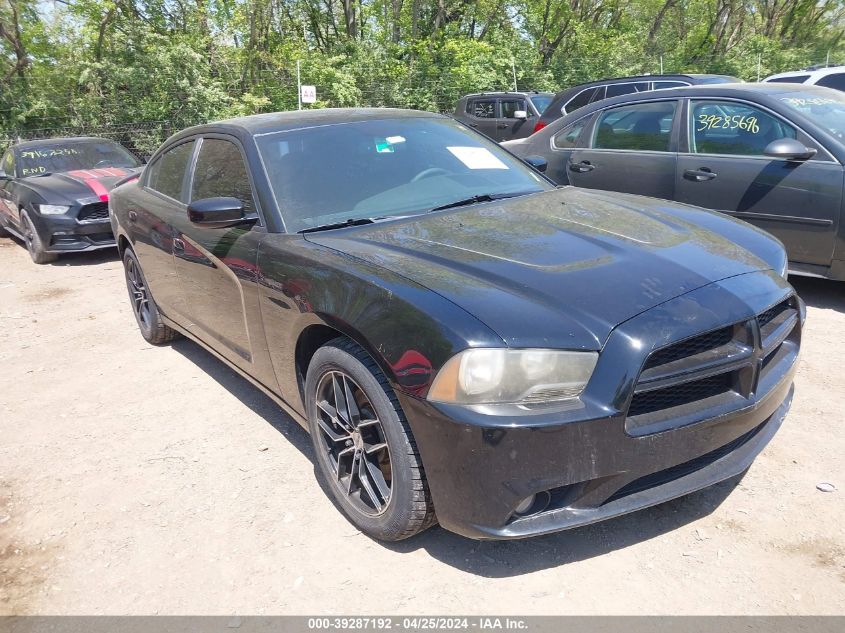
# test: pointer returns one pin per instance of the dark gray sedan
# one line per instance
(771, 154)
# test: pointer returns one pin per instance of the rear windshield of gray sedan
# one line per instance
(382, 168)
(826, 108)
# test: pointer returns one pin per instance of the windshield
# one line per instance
(824, 107)
(383, 168)
(70, 155)
(541, 102)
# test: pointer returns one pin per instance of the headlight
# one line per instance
(513, 376)
(52, 209)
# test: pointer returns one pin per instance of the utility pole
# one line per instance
(661, 64)
(513, 68)
(759, 64)
(298, 87)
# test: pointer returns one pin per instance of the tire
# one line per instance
(144, 306)
(393, 510)
(33, 242)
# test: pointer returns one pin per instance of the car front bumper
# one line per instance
(599, 461)
(63, 233)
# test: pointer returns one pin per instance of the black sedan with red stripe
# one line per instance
(54, 193)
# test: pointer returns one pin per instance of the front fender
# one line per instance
(409, 330)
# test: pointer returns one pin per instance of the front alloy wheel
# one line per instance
(365, 452)
(353, 440)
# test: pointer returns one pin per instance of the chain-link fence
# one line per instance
(143, 137)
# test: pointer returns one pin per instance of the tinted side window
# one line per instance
(483, 108)
(166, 174)
(568, 136)
(718, 127)
(599, 94)
(614, 90)
(579, 100)
(663, 85)
(645, 126)
(509, 106)
(797, 79)
(836, 81)
(221, 172)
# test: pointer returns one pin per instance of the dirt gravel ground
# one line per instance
(131, 482)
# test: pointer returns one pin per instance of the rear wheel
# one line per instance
(366, 454)
(144, 306)
(33, 242)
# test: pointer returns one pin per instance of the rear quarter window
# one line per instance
(579, 100)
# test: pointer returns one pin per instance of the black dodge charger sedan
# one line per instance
(771, 154)
(465, 342)
(54, 193)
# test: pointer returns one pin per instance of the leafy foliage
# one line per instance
(141, 69)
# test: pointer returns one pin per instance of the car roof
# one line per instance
(496, 93)
(611, 80)
(61, 139)
(294, 119)
(702, 90)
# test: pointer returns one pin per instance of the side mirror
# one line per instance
(537, 162)
(217, 213)
(789, 149)
(520, 114)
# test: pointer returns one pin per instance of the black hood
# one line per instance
(562, 268)
(78, 186)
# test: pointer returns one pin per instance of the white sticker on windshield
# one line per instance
(477, 157)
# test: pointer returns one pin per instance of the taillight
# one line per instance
(539, 126)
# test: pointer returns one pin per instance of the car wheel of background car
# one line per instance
(34, 244)
(366, 454)
(143, 306)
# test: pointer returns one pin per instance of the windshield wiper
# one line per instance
(482, 197)
(339, 225)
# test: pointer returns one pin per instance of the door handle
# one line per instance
(582, 167)
(699, 175)
(178, 245)
(472, 124)
(502, 126)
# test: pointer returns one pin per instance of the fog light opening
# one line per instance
(533, 504)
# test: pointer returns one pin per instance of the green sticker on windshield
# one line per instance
(383, 146)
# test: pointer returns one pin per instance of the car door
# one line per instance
(217, 267)
(482, 115)
(631, 150)
(724, 168)
(507, 125)
(560, 148)
(160, 202)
